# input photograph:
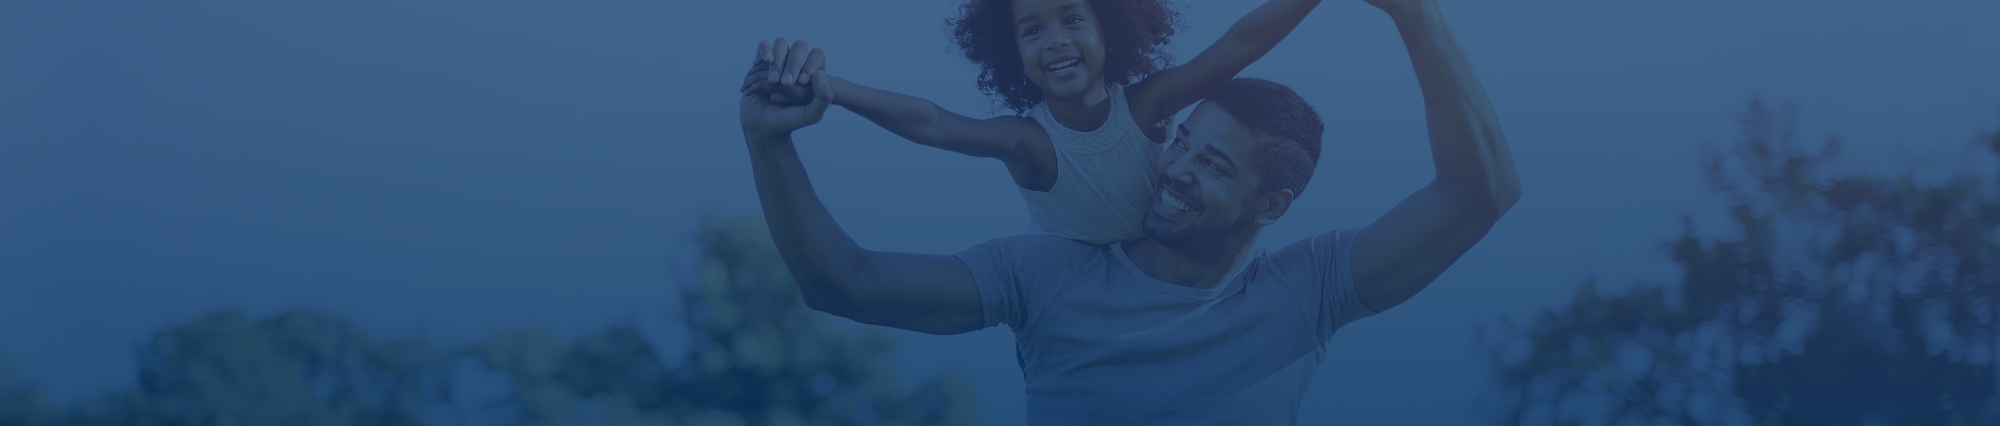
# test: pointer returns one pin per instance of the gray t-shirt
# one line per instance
(1103, 343)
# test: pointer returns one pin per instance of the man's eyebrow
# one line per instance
(1217, 152)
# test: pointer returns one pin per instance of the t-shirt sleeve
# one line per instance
(994, 272)
(1321, 266)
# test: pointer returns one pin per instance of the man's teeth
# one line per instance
(1064, 64)
(1172, 201)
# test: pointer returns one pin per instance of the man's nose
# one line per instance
(1178, 172)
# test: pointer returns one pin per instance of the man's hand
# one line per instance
(790, 68)
(762, 118)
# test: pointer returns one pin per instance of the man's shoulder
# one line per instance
(1046, 241)
(1316, 253)
(1018, 273)
(1039, 250)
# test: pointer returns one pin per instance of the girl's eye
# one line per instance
(1031, 31)
(1072, 20)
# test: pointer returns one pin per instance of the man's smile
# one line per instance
(1175, 202)
(1174, 205)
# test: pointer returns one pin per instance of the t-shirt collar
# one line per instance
(1229, 281)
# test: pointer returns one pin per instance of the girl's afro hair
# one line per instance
(1134, 32)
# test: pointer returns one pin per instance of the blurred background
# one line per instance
(508, 212)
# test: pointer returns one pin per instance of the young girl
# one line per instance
(1083, 150)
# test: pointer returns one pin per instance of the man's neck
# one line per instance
(1198, 270)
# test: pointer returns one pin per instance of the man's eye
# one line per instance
(1212, 166)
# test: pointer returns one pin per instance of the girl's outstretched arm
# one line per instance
(924, 122)
(1166, 92)
(1016, 141)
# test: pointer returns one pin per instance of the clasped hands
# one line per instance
(786, 89)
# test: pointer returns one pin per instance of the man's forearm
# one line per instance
(1466, 142)
(816, 250)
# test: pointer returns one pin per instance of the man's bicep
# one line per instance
(1404, 250)
(919, 292)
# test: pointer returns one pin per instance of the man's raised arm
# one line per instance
(924, 293)
(1403, 251)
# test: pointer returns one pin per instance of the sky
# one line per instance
(451, 168)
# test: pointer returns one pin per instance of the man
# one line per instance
(1188, 325)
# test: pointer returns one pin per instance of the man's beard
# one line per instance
(1191, 238)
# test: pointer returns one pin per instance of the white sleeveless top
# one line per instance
(1104, 178)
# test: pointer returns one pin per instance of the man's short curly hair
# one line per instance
(1290, 128)
(1134, 33)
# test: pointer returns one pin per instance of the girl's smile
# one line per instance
(1061, 47)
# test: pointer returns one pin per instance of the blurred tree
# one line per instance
(299, 368)
(1841, 299)
(19, 403)
(758, 358)
(757, 351)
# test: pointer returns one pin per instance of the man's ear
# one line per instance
(1273, 205)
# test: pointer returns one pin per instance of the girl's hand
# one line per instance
(762, 118)
(761, 81)
(758, 82)
(794, 64)
(790, 68)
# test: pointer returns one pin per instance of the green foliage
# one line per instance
(1840, 300)
(759, 358)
